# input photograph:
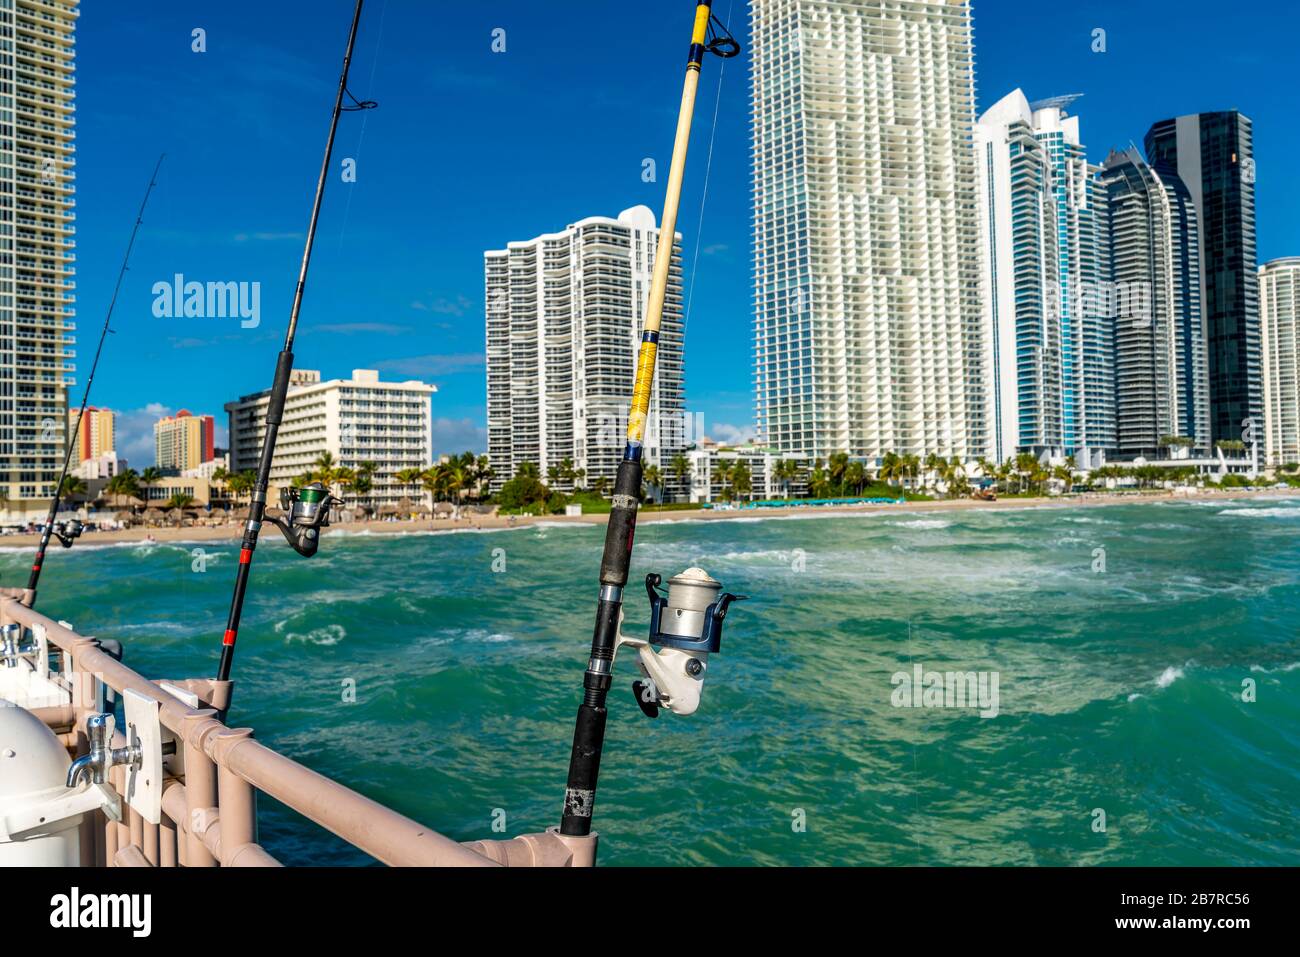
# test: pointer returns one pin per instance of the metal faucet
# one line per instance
(10, 638)
(101, 757)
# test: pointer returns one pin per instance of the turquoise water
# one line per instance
(1119, 689)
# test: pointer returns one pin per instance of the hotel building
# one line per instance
(183, 442)
(564, 320)
(866, 258)
(355, 420)
(37, 151)
(1161, 366)
(94, 436)
(1214, 155)
(1279, 311)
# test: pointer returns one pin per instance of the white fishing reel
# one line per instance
(687, 627)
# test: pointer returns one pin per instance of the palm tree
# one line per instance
(838, 465)
(741, 479)
(179, 500)
(242, 484)
(411, 478)
(891, 468)
(434, 481)
(785, 472)
(71, 486)
(148, 478)
(912, 467)
(125, 483)
(722, 473)
(819, 483)
(934, 467)
(482, 474)
(855, 476)
(326, 471)
(458, 479)
(680, 469)
(654, 480)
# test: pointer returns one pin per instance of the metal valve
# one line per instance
(101, 757)
(10, 638)
(687, 627)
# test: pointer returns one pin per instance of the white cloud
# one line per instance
(454, 436)
(444, 306)
(433, 365)
(134, 437)
(733, 434)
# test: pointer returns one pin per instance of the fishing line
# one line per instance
(704, 198)
(364, 106)
(69, 532)
(699, 231)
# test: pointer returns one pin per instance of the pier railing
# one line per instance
(209, 808)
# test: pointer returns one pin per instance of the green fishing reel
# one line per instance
(308, 511)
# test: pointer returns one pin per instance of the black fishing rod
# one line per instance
(69, 532)
(688, 624)
(306, 510)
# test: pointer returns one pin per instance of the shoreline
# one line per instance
(485, 523)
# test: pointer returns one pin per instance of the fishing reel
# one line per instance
(69, 531)
(686, 627)
(308, 511)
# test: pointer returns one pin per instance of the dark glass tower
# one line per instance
(1214, 155)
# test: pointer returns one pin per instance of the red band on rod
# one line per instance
(229, 639)
(245, 556)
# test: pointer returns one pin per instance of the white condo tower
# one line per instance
(564, 319)
(866, 264)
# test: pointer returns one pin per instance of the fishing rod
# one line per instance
(305, 510)
(68, 532)
(687, 624)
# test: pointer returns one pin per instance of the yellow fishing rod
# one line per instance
(708, 35)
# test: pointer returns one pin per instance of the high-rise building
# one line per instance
(1021, 278)
(564, 319)
(1048, 346)
(1279, 312)
(94, 437)
(1214, 155)
(36, 245)
(183, 442)
(866, 258)
(354, 420)
(1161, 369)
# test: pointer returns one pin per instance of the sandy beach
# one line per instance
(233, 531)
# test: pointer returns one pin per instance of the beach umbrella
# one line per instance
(405, 505)
(388, 510)
(442, 508)
(125, 516)
(152, 515)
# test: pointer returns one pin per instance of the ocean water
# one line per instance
(1121, 675)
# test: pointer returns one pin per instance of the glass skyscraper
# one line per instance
(1214, 155)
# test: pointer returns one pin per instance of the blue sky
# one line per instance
(471, 149)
